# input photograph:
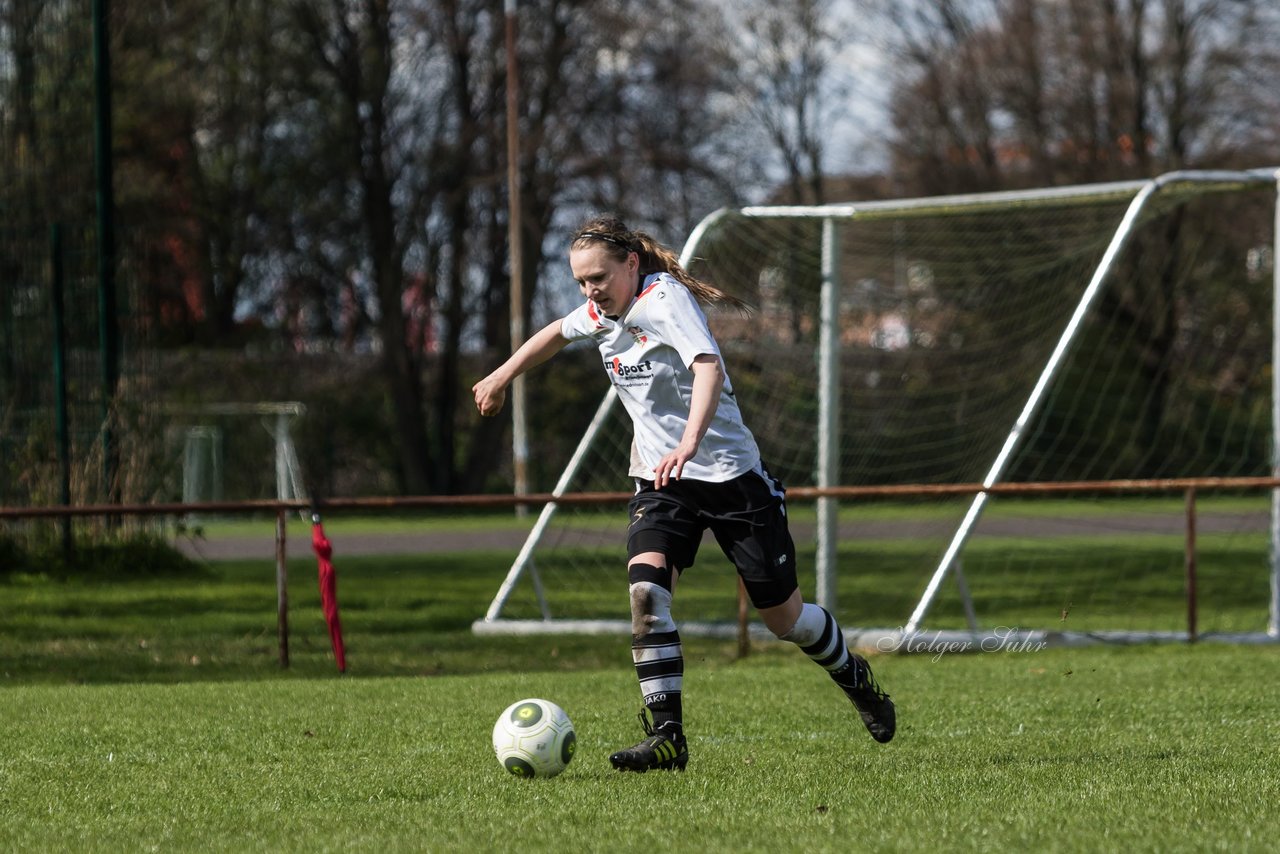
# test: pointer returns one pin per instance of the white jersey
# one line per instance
(647, 353)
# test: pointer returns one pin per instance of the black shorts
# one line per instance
(747, 515)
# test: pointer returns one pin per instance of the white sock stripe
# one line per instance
(810, 627)
(840, 660)
(645, 644)
(661, 685)
(828, 650)
(642, 654)
(834, 639)
(832, 652)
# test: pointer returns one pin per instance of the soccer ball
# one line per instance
(534, 738)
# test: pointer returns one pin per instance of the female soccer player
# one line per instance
(696, 467)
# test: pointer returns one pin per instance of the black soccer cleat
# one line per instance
(873, 705)
(664, 748)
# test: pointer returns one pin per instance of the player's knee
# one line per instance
(776, 601)
(650, 588)
(808, 626)
(786, 633)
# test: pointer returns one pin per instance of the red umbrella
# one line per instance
(328, 589)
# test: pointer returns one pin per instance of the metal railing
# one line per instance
(1190, 488)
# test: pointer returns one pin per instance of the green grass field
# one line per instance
(606, 516)
(153, 715)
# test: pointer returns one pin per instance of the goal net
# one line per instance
(1103, 334)
(231, 451)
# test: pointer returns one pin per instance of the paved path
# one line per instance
(225, 548)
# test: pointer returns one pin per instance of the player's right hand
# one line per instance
(490, 396)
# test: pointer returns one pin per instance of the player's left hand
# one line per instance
(671, 466)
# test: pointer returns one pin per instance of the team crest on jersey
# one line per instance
(638, 334)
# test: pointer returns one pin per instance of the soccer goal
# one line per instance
(261, 434)
(1115, 335)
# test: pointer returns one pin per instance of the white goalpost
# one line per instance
(205, 431)
(1100, 333)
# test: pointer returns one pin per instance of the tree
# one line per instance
(998, 94)
(418, 91)
(196, 98)
(45, 178)
(331, 173)
(791, 96)
(789, 87)
(1002, 93)
(352, 46)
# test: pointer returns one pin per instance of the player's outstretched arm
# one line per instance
(491, 392)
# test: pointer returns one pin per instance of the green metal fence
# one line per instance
(60, 316)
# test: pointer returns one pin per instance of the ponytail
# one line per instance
(618, 241)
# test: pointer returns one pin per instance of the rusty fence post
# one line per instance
(1191, 565)
(282, 589)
